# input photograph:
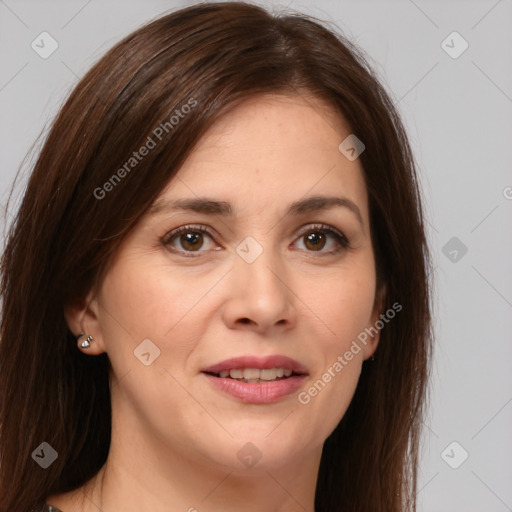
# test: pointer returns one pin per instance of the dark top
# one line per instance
(49, 508)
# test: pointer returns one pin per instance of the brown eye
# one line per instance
(187, 239)
(315, 241)
(317, 237)
(191, 241)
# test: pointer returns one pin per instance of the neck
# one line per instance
(163, 479)
(142, 472)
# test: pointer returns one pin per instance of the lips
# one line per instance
(257, 380)
(255, 362)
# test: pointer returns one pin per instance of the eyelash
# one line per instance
(323, 228)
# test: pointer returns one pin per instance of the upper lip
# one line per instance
(248, 361)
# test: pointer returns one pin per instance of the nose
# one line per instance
(260, 295)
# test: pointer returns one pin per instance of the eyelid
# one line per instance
(320, 226)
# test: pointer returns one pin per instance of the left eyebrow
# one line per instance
(212, 206)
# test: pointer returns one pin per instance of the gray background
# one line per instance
(458, 112)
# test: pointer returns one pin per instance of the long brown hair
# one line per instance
(66, 231)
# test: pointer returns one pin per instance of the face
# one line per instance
(284, 288)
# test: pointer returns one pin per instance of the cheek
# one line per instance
(152, 300)
(345, 306)
(142, 302)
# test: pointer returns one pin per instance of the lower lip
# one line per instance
(258, 393)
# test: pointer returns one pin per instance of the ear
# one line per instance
(376, 323)
(82, 317)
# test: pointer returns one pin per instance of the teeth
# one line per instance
(256, 375)
(268, 374)
(251, 373)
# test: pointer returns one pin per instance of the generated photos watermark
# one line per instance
(305, 397)
(152, 141)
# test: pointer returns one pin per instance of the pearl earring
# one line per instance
(87, 342)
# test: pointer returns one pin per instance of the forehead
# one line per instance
(272, 149)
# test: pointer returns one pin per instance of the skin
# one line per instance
(175, 437)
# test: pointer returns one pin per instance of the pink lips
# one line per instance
(260, 392)
(262, 363)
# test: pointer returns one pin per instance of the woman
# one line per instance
(216, 289)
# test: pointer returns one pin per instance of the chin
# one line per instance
(261, 448)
